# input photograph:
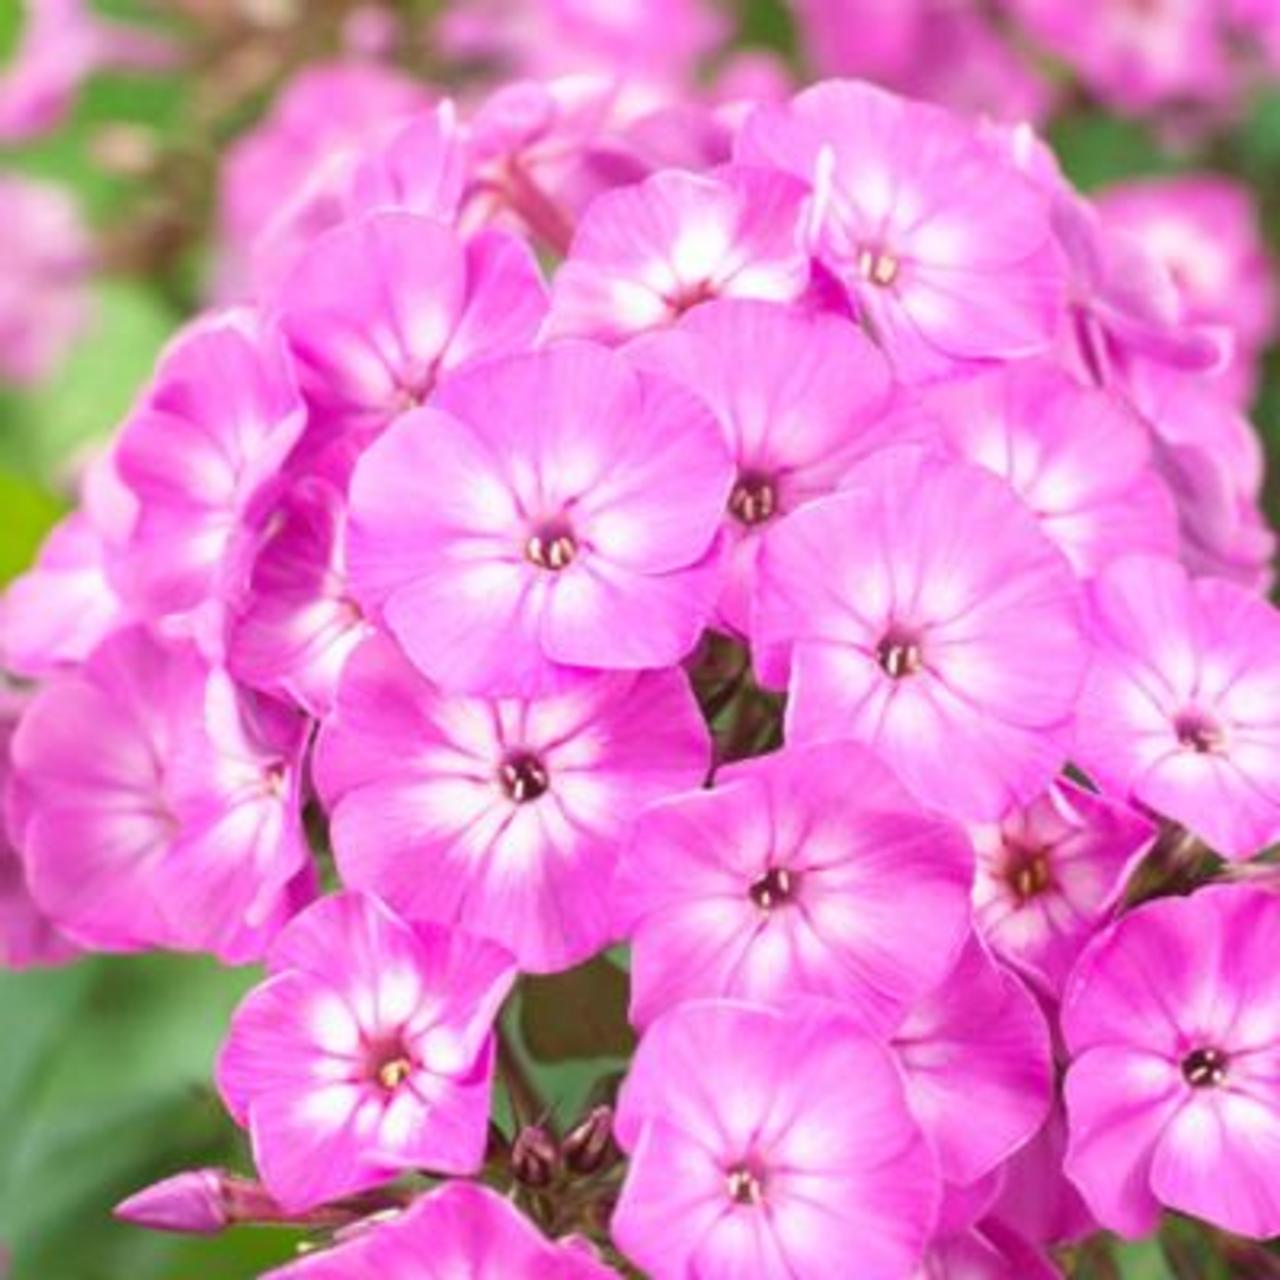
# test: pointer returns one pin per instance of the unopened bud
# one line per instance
(589, 1146)
(190, 1202)
(535, 1158)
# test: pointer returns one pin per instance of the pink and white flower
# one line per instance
(55, 614)
(462, 1229)
(976, 1060)
(156, 807)
(502, 816)
(1181, 706)
(931, 619)
(296, 625)
(550, 510)
(379, 309)
(1212, 460)
(770, 1143)
(807, 872)
(201, 455)
(1050, 874)
(946, 251)
(421, 168)
(643, 255)
(27, 936)
(1173, 1026)
(368, 1051)
(1205, 230)
(1043, 433)
(799, 397)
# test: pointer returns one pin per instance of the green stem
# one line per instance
(527, 1104)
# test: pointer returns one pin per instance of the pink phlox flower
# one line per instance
(931, 619)
(945, 53)
(550, 510)
(1205, 230)
(56, 613)
(462, 1229)
(421, 168)
(1124, 305)
(799, 398)
(242, 866)
(531, 144)
(1050, 874)
(1036, 1197)
(976, 1060)
(201, 453)
(157, 807)
(944, 246)
(1137, 56)
(1213, 462)
(765, 1142)
(367, 1052)
(808, 871)
(1181, 706)
(289, 178)
(379, 309)
(1172, 1020)
(27, 936)
(643, 255)
(293, 630)
(1042, 432)
(991, 1250)
(502, 816)
(650, 41)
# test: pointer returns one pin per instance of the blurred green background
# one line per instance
(104, 1066)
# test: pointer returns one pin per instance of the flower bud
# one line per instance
(535, 1158)
(589, 1146)
(190, 1202)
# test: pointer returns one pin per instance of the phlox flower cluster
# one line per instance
(820, 566)
(1186, 62)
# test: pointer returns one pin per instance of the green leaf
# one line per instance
(234, 1256)
(1142, 1260)
(107, 1090)
(1259, 136)
(38, 1011)
(1096, 150)
(90, 395)
(29, 513)
(578, 1014)
(11, 16)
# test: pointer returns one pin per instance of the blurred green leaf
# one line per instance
(89, 396)
(768, 24)
(29, 513)
(1142, 1260)
(10, 27)
(1096, 150)
(109, 1092)
(237, 1255)
(1258, 139)
(37, 1011)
